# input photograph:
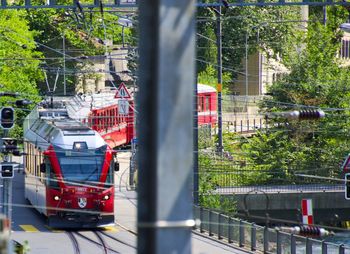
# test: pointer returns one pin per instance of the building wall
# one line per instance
(261, 73)
(93, 81)
(248, 86)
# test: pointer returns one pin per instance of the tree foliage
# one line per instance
(19, 64)
(266, 28)
(317, 78)
(86, 35)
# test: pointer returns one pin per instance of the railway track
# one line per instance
(99, 240)
(74, 242)
(118, 240)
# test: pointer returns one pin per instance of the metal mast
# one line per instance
(167, 71)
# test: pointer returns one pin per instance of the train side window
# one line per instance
(207, 102)
(41, 160)
(113, 117)
(202, 103)
(34, 163)
(199, 104)
(104, 121)
(108, 118)
(98, 121)
(32, 168)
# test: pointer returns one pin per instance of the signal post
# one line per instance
(6, 167)
(6, 174)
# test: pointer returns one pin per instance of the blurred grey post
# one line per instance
(165, 126)
(195, 145)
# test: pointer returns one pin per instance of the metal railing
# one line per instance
(239, 177)
(250, 125)
(257, 238)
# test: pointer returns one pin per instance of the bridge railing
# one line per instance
(259, 239)
(236, 178)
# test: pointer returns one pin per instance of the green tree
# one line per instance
(266, 28)
(316, 79)
(19, 64)
(85, 36)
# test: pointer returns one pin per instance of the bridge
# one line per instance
(281, 203)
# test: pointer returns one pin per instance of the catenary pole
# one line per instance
(219, 85)
(64, 64)
(165, 126)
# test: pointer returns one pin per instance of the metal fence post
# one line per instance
(341, 249)
(308, 246)
(219, 226)
(279, 242)
(266, 239)
(324, 247)
(241, 234)
(292, 244)
(210, 223)
(201, 219)
(195, 209)
(253, 237)
(248, 125)
(235, 126)
(241, 126)
(230, 230)
(260, 124)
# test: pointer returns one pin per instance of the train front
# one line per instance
(80, 186)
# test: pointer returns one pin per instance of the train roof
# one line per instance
(80, 106)
(47, 126)
(205, 88)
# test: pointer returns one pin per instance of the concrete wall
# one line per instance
(328, 207)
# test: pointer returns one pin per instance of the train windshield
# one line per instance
(81, 166)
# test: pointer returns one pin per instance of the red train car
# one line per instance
(69, 170)
(207, 105)
(102, 113)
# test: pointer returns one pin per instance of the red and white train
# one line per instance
(69, 169)
(102, 113)
(70, 162)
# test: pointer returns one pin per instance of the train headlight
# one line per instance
(105, 197)
(56, 198)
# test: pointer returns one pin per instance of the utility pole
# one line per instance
(64, 64)
(219, 85)
(167, 74)
(246, 70)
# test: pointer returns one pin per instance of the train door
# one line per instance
(40, 185)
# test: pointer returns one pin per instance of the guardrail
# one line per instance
(258, 239)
